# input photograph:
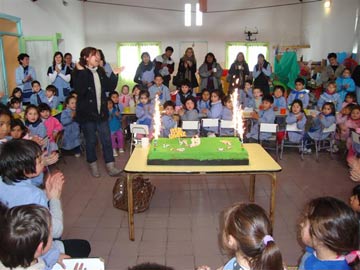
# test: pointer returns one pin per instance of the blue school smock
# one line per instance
(267, 116)
(201, 104)
(62, 86)
(36, 129)
(303, 95)
(227, 114)
(71, 137)
(114, 120)
(315, 132)
(20, 74)
(294, 136)
(178, 97)
(165, 93)
(279, 102)
(37, 98)
(144, 114)
(192, 115)
(53, 102)
(334, 98)
(167, 123)
(340, 85)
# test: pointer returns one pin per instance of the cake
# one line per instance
(197, 151)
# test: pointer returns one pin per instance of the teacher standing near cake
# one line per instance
(91, 83)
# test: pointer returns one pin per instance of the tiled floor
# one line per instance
(181, 227)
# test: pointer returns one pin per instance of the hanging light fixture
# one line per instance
(187, 15)
(327, 4)
(198, 15)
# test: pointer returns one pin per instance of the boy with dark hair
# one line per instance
(38, 95)
(150, 266)
(159, 88)
(355, 199)
(164, 65)
(167, 119)
(299, 93)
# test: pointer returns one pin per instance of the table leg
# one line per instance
(272, 198)
(130, 207)
(252, 188)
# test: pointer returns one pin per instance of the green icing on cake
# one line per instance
(209, 149)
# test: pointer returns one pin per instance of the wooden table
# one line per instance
(261, 163)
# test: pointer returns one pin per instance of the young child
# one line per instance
(38, 95)
(247, 96)
(299, 93)
(71, 139)
(27, 230)
(279, 99)
(296, 115)
(189, 114)
(125, 96)
(167, 119)
(330, 96)
(15, 107)
(255, 102)
(184, 92)
(348, 118)
(5, 122)
(117, 138)
(145, 109)
(135, 98)
(329, 230)
(114, 96)
(227, 114)
(345, 84)
(355, 200)
(17, 129)
(33, 122)
(159, 89)
(323, 120)
(214, 112)
(52, 125)
(51, 99)
(204, 101)
(16, 93)
(350, 98)
(266, 115)
(247, 235)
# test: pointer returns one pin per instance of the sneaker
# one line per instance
(115, 154)
(77, 155)
(307, 150)
(121, 150)
(112, 170)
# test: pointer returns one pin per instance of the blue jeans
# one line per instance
(102, 128)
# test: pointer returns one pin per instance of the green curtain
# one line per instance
(287, 69)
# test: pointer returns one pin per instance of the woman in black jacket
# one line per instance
(187, 69)
(91, 83)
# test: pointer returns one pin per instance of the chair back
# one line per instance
(293, 127)
(139, 129)
(190, 125)
(210, 122)
(226, 124)
(332, 128)
(267, 127)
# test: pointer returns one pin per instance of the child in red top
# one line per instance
(125, 97)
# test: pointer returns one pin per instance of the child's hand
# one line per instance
(73, 114)
(181, 112)
(118, 70)
(55, 134)
(313, 114)
(54, 184)
(275, 108)
(255, 115)
(52, 159)
(57, 69)
(60, 260)
(321, 116)
(117, 113)
(149, 84)
(204, 111)
(38, 140)
(299, 117)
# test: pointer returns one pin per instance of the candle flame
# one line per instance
(238, 122)
(157, 118)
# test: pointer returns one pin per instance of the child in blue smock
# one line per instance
(145, 110)
(51, 99)
(167, 119)
(345, 84)
(38, 95)
(203, 103)
(34, 123)
(266, 115)
(115, 97)
(330, 95)
(296, 115)
(246, 95)
(227, 114)
(299, 93)
(184, 92)
(117, 138)
(159, 89)
(330, 231)
(190, 114)
(256, 100)
(279, 99)
(215, 111)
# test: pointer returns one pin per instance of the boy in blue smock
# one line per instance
(160, 89)
(330, 95)
(167, 119)
(299, 93)
(38, 95)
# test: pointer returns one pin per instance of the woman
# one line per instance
(91, 83)
(261, 74)
(187, 69)
(238, 73)
(24, 75)
(145, 72)
(60, 76)
(105, 65)
(210, 73)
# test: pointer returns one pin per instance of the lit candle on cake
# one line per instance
(157, 120)
(240, 127)
(234, 99)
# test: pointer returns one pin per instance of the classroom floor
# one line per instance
(181, 227)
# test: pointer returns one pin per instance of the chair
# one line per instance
(137, 129)
(326, 143)
(190, 125)
(288, 144)
(210, 123)
(273, 129)
(228, 124)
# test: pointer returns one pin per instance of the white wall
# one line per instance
(329, 30)
(47, 17)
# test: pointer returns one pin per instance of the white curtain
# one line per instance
(41, 54)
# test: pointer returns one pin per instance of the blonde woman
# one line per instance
(187, 69)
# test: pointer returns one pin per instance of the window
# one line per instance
(129, 56)
(250, 50)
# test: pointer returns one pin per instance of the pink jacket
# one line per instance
(52, 125)
(125, 99)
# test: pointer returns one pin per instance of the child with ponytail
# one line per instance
(247, 236)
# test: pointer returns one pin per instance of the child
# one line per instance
(134, 101)
(323, 120)
(189, 114)
(247, 235)
(33, 122)
(15, 107)
(51, 98)
(204, 101)
(38, 95)
(214, 112)
(114, 96)
(125, 97)
(330, 96)
(256, 101)
(145, 109)
(71, 139)
(266, 115)
(18, 129)
(159, 89)
(167, 119)
(5, 122)
(227, 114)
(345, 84)
(349, 120)
(279, 99)
(16, 93)
(27, 230)
(247, 95)
(117, 138)
(350, 98)
(355, 200)
(184, 92)
(330, 230)
(52, 125)
(299, 93)
(296, 115)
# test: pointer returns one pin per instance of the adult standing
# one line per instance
(105, 65)
(238, 72)
(261, 74)
(24, 75)
(145, 72)
(164, 65)
(70, 65)
(91, 83)
(210, 73)
(356, 77)
(187, 69)
(333, 70)
(60, 76)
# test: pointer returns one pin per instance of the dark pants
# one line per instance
(77, 248)
(102, 128)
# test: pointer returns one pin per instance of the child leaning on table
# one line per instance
(167, 119)
(247, 237)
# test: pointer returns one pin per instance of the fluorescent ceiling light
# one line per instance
(187, 14)
(198, 15)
